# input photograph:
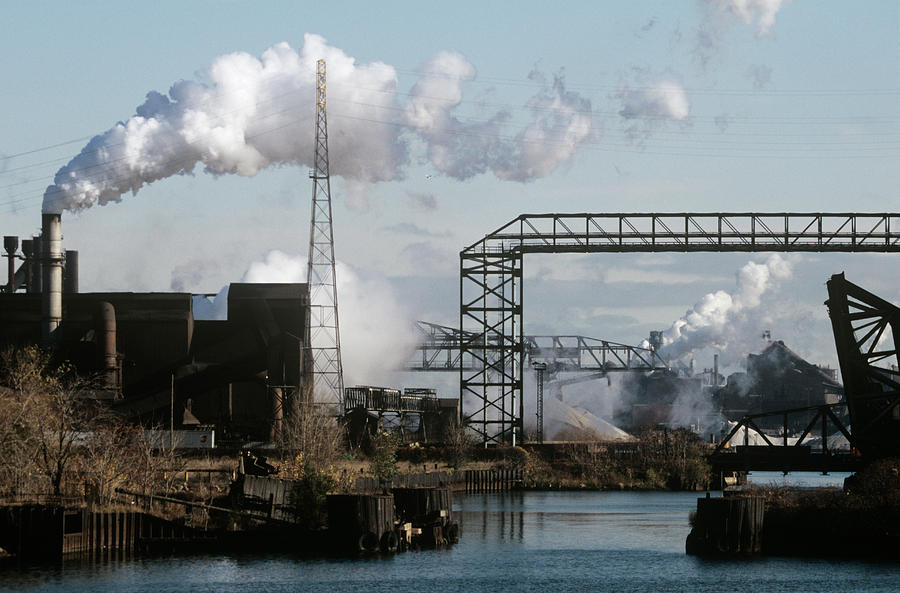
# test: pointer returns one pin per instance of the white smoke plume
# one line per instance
(247, 113)
(665, 99)
(762, 13)
(721, 319)
(561, 122)
(650, 105)
(376, 338)
(718, 16)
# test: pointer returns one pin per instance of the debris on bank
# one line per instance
(262, 513)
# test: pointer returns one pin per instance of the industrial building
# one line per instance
(776, 379)
(146, 353)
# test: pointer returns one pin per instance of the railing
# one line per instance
(383, 398)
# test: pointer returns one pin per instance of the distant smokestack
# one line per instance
(656, 340)
(105, 324)
(51, 270)
(70, 272)
(715, 370)
(27, 265)
(11, 244)
(36, 280)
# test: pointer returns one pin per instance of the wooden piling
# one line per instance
(727, 526)
(492, 480)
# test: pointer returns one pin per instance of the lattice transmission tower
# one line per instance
(323, 332)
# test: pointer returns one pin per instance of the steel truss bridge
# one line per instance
(491, 279)
(780, 454)
(441, 349)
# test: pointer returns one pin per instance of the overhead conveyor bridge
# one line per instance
(491, 279)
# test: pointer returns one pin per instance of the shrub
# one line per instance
(384, 455)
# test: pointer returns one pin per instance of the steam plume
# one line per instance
(665, 99)
(719, 15)
(721, 319)
(248, 113)
(648, 106)
(461, 150)
(762, 12)
(372, 319)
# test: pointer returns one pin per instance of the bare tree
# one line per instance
(62, 420)
(50, 414)
(311, 438)
(56, 438)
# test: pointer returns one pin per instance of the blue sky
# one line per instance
(800, 114)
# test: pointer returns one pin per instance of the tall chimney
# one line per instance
(11, 245)
(70, 272)
(51, 270)
(105, 327)
(715, 382)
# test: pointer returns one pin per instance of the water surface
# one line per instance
(532, 541)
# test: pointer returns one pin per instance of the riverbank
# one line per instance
(659, 460)
(860, 520)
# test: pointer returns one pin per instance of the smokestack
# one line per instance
(51, 271)
(11, 245)
(70, 272)
(27, 265)
(36, 279)
(105, 325)
(715, 370)
(656, 340)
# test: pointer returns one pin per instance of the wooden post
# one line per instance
(172, 414)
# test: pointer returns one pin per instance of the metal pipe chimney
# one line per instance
(105, 327)
(715, 370)
(51, 272)
(11, 245)
(70, 272)
(27, 265)
(36, 285)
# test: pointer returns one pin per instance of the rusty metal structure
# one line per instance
(385, 399)
(491, 279)
(324, 337)
(365, 406)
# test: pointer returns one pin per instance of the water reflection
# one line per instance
(499, 517)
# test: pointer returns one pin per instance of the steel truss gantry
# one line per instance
(441, 350)
(491, 297)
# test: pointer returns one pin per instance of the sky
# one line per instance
(445, 122)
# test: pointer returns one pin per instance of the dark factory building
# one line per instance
(147, 355)
(777, 379)
(649, 399)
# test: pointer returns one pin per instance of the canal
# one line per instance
(520, 541)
